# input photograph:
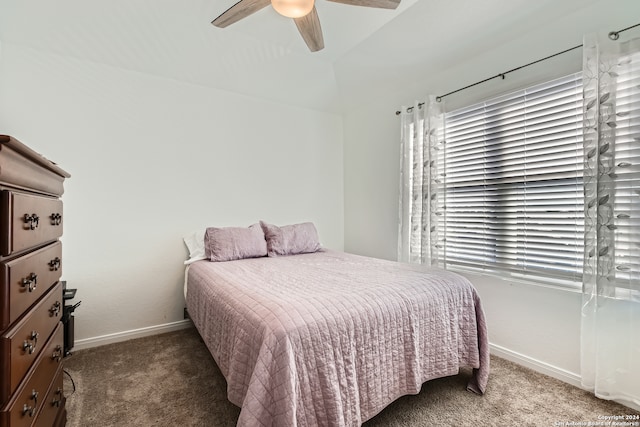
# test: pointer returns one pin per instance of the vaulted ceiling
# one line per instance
(263, 55)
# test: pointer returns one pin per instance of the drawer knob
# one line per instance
(31, 410)
(55, 309)
(30, 282)
(57, 353)
(56, 219)
(57, 398)
(31, 347)
(32, 221)
(54, 264)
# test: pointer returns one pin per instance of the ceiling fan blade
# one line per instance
(240, 10)
(310, 30)
(382, 4)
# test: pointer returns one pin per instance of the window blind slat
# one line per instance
(511, 177)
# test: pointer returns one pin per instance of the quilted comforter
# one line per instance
(329, 338)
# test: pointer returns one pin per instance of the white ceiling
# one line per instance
(263, 55)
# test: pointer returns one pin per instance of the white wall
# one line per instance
(537, 326)
(153, 159)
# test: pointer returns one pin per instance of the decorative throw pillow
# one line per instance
(231, 243)
(291, 239)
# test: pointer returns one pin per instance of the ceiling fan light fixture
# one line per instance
(293, 8)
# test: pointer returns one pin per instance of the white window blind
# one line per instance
(512, 183)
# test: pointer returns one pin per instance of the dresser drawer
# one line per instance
(52, 354)
(52, 403)
(32, 394)
(23, 280)
(24, 342)
(28, 220)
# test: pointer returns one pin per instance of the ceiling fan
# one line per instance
(303, 13)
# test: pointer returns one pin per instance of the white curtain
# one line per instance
(610, 353)
(421, 203)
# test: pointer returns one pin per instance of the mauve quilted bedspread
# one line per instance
(330, 339)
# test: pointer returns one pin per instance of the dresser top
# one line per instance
(19, 147)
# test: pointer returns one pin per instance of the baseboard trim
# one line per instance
(537, 365)
(131, 334)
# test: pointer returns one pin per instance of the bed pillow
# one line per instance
(231, 243)
(291, 239)
(195, 244)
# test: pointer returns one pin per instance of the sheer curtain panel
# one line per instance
(422, 130)
(610, 354)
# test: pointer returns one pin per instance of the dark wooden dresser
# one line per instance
(31, 303)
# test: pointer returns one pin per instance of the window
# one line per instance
(512, 190)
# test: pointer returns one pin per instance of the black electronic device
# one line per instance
(69, 294)
(68, 320)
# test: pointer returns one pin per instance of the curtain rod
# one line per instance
(613, 35)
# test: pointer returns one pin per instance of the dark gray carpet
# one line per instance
(171, 380)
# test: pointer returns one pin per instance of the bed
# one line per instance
(330, 338)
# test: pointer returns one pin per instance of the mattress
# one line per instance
(329, 338)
